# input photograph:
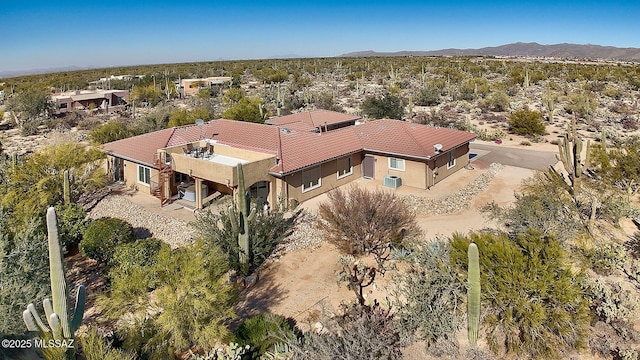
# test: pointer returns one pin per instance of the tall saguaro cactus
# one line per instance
(473, 294)
(60, 328)
(241, 214)
(570, 150)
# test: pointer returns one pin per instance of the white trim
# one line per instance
(350, 172)
(451, 156)
(394, 168)
(319, 184)
(138, 175)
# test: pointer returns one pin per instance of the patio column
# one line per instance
(198, 193)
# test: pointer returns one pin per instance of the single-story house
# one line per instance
(87, 99)
(188, 87)
(289, 160)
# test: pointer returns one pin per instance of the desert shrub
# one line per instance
(102, 236)
(497, 101)
(608, 258)
(359, 221)
(358, 334)
(109, 132)
(262, 332)
(267, 230)
(383, 107)
(612, 304)
(428, 96)
(232, 351)
(96, 347)
(71, 224)
(192, 302)
(543, 211)
(526, 123)
(132, 274)
(186, 117)
(326, 101)
(432, 294)
(535, 303)
(439, 118)
(89, 123)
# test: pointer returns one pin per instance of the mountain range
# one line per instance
(532, 49)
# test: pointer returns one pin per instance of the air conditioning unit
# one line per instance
(392, 181)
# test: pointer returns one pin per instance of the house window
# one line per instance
(396, 164)
(63, 105)
(452, 160)
(180, 178)
(344, 167)
(144, 175)
(311, 179)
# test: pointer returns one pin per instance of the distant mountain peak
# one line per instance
(533, 49)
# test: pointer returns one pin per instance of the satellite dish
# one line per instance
(437, 147)
(199, 122)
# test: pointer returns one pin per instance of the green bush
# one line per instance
(102, 236)
(262, 332)
(387, 106)
(71, 224)
(428, 96)
(109, 132)
(526, 123)
(535, 304)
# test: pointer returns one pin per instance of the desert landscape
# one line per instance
(581, 204)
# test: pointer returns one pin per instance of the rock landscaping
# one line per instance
(173, 231)
(456, 202)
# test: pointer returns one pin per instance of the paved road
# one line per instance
(524, 158)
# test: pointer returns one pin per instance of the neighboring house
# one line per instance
(293, 161)
(87, 99)
(189, 87)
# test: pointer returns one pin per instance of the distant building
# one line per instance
(87, 99)
(105, 82)
(189, 87)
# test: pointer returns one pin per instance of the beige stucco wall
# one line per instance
(131, 176)
(440, 163)
(329, 175)
(414, 173)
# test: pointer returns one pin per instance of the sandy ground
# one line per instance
(302, 282)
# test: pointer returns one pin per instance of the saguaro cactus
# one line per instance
(60, 328)
(241, 214)
(569, 154)
(473, 294)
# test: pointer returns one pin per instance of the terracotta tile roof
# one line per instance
(142, 148)
(302, 149)
(299, 148)
(410, 139)
(310, 120)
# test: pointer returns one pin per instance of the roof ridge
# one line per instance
(404, 128)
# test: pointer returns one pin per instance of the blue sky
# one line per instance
(45, 34)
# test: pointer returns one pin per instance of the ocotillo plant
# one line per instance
(473, 294)
(66, 188)
(241, 215)
(60, 328)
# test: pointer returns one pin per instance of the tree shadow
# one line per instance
(142, 233)
(258, 299)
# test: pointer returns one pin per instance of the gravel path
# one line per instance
(458, 201)
(172, 231)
